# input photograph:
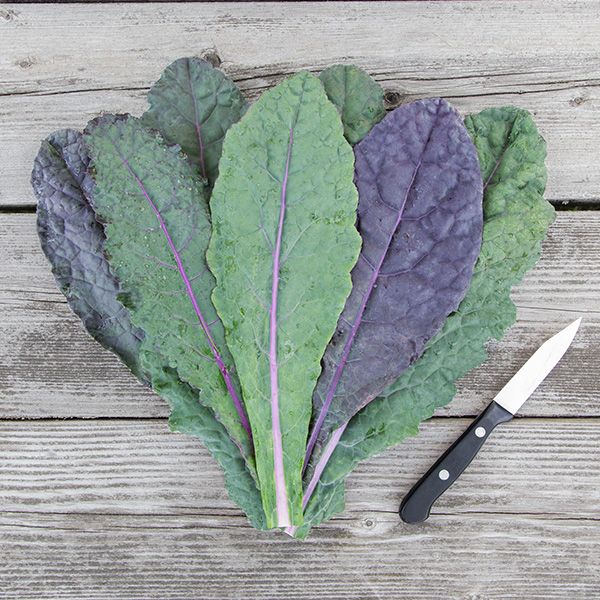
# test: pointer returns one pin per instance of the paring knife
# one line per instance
(417, 503)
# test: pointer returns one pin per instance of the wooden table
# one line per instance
(99, 500)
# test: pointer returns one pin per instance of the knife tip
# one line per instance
(570, 331)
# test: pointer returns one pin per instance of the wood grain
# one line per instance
(109, 504)
(58, 70)
(101, 509)
(49, 367)
(97, 557)
(139, 467)
(459, 39)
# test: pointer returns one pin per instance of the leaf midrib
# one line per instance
(190, 293)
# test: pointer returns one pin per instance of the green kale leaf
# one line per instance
(357, 96)
(192, 105)
(283, 245)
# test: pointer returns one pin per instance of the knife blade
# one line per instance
(417, 504)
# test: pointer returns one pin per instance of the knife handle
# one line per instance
(418, 502)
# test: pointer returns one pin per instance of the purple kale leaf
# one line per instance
(420, 217)
(73, 241)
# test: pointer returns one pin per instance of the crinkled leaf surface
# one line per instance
(420, 218)
(157, 229)
(516, 218)
(189, 416)
(357, 96)
(282, 248)
(193, 104)
(72, 240)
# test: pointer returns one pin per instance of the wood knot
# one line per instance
(369, 523)
(392, 99)
(577, 101)
(8, 14)
(213, 58)
(26, 62)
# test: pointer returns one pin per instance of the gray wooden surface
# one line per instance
(98, 500)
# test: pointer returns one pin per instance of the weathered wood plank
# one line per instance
(130, 557)
(139, 467)
(568, 118)
(92, 58)
(50, 368)
(416, 39)
(124, 509)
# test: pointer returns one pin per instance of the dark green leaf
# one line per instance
(357, 96)
(193, 104)
(157, 229)
(189, 416)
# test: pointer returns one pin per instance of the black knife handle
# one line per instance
(418, 502)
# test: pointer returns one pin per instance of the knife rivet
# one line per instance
(480, 432)
(443, 474)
